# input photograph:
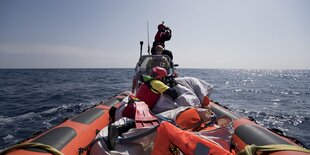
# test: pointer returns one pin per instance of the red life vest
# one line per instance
(158, 37)
(141, 113)
(162, 36)
(147, 95)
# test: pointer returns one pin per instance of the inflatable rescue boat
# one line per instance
(77, 136)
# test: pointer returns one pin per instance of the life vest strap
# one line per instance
(149, 85)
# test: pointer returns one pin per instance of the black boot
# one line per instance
(114, 131)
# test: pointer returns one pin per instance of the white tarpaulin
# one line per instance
(191, 92)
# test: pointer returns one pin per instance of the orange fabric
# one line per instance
(206, 102)
(189, 119)
(187, 142)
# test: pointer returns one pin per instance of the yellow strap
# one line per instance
(252, 149)
(159, 86)
(45, 147)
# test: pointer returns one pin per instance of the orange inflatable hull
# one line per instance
(247, 132)
(73, 136)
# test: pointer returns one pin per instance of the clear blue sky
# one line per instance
(256, 34)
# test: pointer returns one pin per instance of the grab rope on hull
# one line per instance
(253, 149)
(40, 146)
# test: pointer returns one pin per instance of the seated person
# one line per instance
(153, 86)
(159, 50)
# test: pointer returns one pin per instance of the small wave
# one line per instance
(291, 92)
(47, 123)
(50, 111)
(8, 137)
(27, 115)
(238, 90)
(285, 93)
(275, 100)
(245, 82)
(283, 120)
(4, 120)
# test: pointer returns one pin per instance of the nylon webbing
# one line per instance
(44, 147)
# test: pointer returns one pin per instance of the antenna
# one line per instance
(141, 44)
(148, 39)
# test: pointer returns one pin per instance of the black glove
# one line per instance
(172, 93)
(170, 81)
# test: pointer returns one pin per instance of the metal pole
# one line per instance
(141, 44)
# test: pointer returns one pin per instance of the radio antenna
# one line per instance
(148, 39)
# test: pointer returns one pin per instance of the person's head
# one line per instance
(159, 49)
(159, 72)
(161, 27)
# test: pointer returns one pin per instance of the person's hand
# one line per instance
(175, 74)
(172, 93)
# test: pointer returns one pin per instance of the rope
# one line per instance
(252, 149)
(44, 147)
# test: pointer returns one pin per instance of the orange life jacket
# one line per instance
(169, 136)
(189, 119)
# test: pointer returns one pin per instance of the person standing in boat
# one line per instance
(153, 87)
(163, 34)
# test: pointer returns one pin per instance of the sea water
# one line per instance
(34, 100)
